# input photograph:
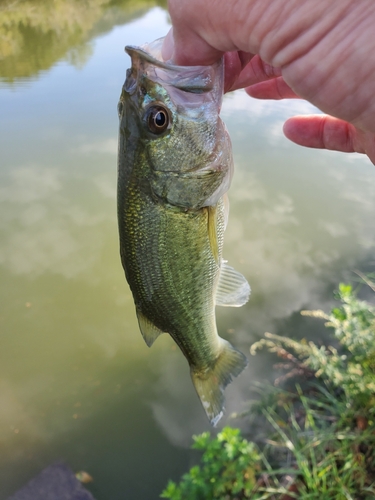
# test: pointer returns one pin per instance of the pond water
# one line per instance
(77, 382)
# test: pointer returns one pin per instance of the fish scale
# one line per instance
(171, 283)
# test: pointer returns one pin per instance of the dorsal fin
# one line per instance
(149, 331)
(233, 289)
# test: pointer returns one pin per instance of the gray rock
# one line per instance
(56, 482)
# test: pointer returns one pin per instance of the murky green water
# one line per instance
(77, 382)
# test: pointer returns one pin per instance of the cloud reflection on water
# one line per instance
(44, 228)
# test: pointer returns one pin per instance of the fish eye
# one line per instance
(157, 119)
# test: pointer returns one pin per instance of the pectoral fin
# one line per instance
(226, 209)
(149, 331)
(212, 232)
(233, 290)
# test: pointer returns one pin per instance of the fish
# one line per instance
(175, 167)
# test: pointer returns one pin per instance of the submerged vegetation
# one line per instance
(319, 441)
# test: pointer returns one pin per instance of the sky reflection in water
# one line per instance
(76, 379)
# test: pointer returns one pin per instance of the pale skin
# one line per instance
(318, 50)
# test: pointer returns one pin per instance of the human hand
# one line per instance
(313, 50)
(262, 81)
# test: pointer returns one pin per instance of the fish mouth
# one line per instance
(147, 60)
(141, 53)
(151, 52)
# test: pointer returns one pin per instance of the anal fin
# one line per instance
(233, 289)
(149, 331)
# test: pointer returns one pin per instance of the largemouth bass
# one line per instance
(175, 166)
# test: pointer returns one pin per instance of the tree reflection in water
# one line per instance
(35, 34)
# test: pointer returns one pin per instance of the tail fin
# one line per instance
(211, 383)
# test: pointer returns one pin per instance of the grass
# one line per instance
(318, 421)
